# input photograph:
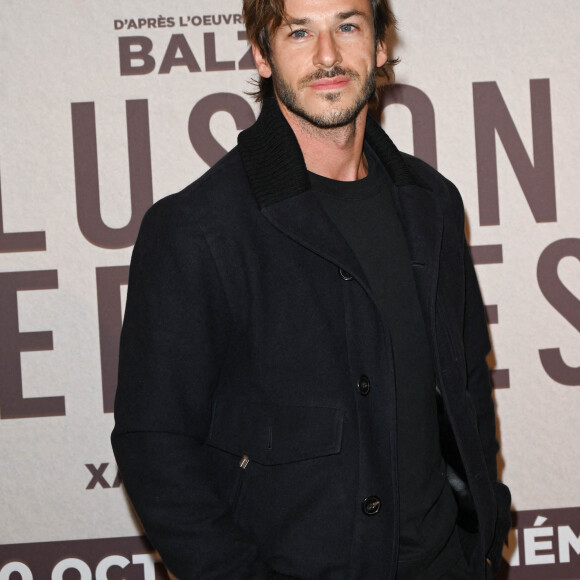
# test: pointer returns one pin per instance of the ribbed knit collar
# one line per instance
(275, 165)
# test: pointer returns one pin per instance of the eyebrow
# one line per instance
(339, 15)
(349, 14)
(296, 21)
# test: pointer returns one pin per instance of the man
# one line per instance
(303, 328)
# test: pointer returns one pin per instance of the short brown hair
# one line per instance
(262, 17)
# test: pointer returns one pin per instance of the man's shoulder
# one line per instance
(224, 182)
(217, 193)
(425, 174)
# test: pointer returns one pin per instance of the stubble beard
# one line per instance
(332, 118)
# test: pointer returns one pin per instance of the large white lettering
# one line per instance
(567, 539)
(148, 563)
(17, 568)
(74, 564)
(108, 562)
(532, 546)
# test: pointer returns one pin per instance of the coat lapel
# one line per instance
(419, 213)
(302, 218)
(275, 166)
(423, 227)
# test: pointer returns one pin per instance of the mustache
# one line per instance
(335, 71)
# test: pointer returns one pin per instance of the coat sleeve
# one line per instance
(175, 334)
(477, 346)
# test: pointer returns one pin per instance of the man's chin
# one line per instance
(325, 118)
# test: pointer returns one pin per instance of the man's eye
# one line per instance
(347, 27)
(298, 33)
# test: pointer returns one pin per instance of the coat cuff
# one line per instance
(502, 525)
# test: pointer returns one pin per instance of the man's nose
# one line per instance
(327, 51)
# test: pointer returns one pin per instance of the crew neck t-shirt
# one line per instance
(365, 214)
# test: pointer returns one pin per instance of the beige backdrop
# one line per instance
(106, 107)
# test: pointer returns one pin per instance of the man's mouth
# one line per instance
(330, 84)
(330, 80)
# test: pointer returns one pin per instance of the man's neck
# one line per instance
(335, 153)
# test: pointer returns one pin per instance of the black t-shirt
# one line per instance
(365, 214)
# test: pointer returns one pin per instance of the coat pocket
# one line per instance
(276, 434)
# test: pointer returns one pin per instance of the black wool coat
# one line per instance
(241, 436)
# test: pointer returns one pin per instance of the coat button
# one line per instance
(364, 385)
(344, 274)
(371, 505)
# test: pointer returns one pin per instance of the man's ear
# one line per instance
(262, 64)
(381, 53)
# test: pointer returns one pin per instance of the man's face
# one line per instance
(323, 60)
